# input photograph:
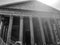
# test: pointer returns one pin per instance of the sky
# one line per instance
(52, 3)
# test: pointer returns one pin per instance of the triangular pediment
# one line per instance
(31, 5)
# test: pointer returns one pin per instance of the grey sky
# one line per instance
(52, 3)
(55, 4)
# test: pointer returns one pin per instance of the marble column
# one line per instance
(21, 30)
(31, 31)
(42, 32)
(9, 30)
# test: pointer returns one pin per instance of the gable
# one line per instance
(4, 2)
(32, 5)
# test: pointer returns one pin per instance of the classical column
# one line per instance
(51, 32)
(9, 29)
(31, 31)
(21, 30)
(56, 31)
(0, 26)
(42, 32)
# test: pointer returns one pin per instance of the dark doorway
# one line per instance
(37, 31)
(15, 29)
(26, 31)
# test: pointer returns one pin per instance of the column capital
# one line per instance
(21, 17)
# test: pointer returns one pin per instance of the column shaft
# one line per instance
(42, 32)
(31, 31)
(21, 30)
(9, 29)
